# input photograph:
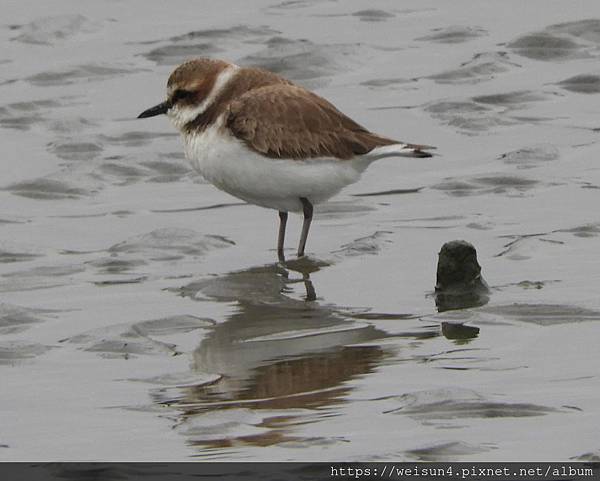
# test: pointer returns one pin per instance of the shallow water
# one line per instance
(144, 316)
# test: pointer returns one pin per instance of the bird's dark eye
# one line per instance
(181, 94)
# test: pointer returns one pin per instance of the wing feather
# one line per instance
(287, 121)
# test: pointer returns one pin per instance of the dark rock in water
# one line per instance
(459, 332)
(458, 268)
(459, 282)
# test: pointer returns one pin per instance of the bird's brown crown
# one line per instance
(194, 79)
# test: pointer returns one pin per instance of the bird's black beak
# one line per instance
(156, 110)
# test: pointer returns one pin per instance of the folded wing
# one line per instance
(288, 122)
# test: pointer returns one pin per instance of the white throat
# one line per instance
(180, 116)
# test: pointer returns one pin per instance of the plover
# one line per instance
(267, 141)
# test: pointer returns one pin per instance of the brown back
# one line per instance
(286, 121)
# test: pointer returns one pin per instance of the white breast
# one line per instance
(278, 184)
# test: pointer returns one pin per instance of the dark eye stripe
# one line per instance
(181, 94)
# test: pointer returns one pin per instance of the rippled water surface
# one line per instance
(144, 315)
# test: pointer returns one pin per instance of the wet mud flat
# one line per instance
(144, 315)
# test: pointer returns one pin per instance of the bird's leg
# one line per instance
(308, 214)
(283, 217)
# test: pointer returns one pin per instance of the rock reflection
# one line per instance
(279, 358)
(459, 332)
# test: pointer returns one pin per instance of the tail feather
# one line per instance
(401, 150)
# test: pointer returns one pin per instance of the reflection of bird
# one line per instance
(275, 350)
(267, 141)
